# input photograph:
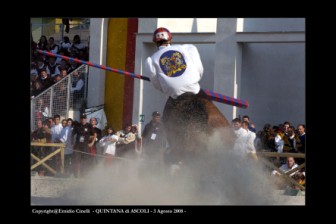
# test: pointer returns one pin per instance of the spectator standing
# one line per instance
(302, 138)
(126, 142)
(251, 126)
(77, 89)
(290, 140)
(66, 44)
(72, 66)
(64, 73)
(267, 138)
(51, 121)
(138, 139)
(77, 44)
(96, 136)
(65, 137)
(52, 67)
(37, 88)
(45, 79)
(55, 138)
(153, 138)
(40, 65)
(65, 123)
(278, 140)
(52, 46)
(244, 143)
(43, 43)
(56, 129)
(41, 109)
(63, 66)
(301, 142)
(286, 125)
(82, 143)
(38, 134)
(250, 138)
(108, 145)
(62, 52)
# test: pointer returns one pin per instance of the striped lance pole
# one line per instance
(210, 94)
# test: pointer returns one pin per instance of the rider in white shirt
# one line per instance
(174, 69)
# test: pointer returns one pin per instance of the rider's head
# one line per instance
(162, 36)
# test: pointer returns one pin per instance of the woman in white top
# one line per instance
(108, 142)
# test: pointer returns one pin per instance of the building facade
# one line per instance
(260, 60)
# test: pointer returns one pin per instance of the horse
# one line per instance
(190, 121)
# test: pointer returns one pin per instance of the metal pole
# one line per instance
(86, 83)
(68, 96)
(62, 32)
(32, 114)
(51, 101)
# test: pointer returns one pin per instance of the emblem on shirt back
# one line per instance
(172, 63)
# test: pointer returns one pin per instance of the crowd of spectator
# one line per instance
(282, 138)
(86, 144)
(48, 70)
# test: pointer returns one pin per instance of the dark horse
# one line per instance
(190, 120)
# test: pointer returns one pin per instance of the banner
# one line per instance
(100, 117)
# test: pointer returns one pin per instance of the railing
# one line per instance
(59, 99)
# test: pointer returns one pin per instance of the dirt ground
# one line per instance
(56, 191)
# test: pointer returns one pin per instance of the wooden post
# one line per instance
(278, 160)
(62, 159)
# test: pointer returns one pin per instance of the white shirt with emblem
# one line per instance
(175, 69)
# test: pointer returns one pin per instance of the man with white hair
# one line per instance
(290, 165)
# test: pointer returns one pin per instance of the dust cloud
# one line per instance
(215, 177)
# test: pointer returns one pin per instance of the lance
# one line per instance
(210, 94)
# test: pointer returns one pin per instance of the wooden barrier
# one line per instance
(60, 150)
(284, 154)
(286, 176)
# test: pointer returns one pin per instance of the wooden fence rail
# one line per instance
(284, 154)
(40, 162)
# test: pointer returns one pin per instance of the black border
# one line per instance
(314, 66)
